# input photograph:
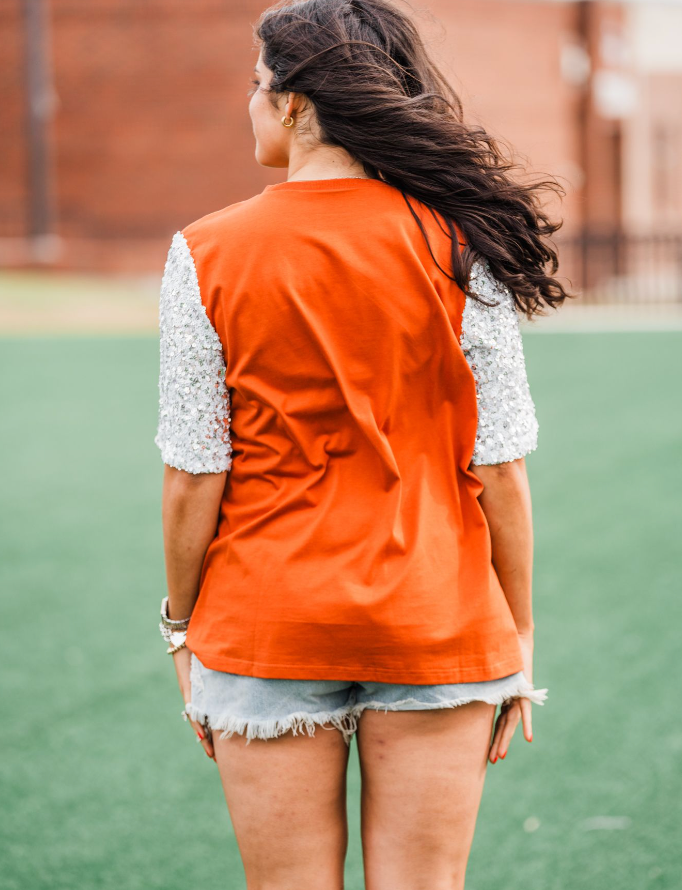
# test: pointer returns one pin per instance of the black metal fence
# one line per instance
(615, 268)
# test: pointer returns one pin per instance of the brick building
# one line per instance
(126, 119)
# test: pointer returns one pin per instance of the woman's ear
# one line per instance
(289, 107)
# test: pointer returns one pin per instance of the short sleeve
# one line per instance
(491, 342)
(193, 431)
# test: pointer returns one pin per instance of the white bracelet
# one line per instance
(182, 624)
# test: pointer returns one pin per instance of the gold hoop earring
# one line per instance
(291, 121)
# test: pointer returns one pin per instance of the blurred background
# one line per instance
(123, 122)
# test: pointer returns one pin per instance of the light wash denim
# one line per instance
(260, 708)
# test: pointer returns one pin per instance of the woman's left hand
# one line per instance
(514, 709)
(182, 661)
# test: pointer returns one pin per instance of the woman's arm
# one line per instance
(190, 510)
(194, 436)
(190, 505)
(507, 430)
(193, 431)
(506, 502)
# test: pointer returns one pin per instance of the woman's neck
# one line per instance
(327, 162)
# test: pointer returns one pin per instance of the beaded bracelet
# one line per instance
(174, 632)
(182, 624)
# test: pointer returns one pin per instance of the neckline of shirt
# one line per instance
(335, 184)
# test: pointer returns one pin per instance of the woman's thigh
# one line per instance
(422, 779)
(287, 803)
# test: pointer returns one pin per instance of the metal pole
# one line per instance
(584, 22)
(39, 108)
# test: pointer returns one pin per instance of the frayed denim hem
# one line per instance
(343, 720)
(520, 689)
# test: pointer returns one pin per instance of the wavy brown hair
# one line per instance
(376, 93)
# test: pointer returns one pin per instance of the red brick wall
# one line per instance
(505, 59)
(13, 146)
(152, 129)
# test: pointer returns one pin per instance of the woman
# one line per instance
(344, 418)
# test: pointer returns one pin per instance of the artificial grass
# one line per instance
(91, 730)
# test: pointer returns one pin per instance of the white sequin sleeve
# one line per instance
(491, 341)
(194, 401)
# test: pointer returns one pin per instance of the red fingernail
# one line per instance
(502, 756)
(200, 736)
(495, 759)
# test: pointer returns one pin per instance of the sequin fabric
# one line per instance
(194, 402)
(491, 341)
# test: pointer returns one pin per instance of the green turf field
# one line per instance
(101, 782)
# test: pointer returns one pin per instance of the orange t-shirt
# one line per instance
(351, 543)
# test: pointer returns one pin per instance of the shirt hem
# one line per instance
(479, 673)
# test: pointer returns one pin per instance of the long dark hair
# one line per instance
(376, 93)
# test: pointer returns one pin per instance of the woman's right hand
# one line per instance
(182, 661)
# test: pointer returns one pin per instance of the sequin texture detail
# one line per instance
(491, 341)
(194, 401)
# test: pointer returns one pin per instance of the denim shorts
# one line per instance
(258, 708)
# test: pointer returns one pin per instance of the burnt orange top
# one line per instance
(351, 544)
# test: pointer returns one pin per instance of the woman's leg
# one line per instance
(287, 802)
(422, 779)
